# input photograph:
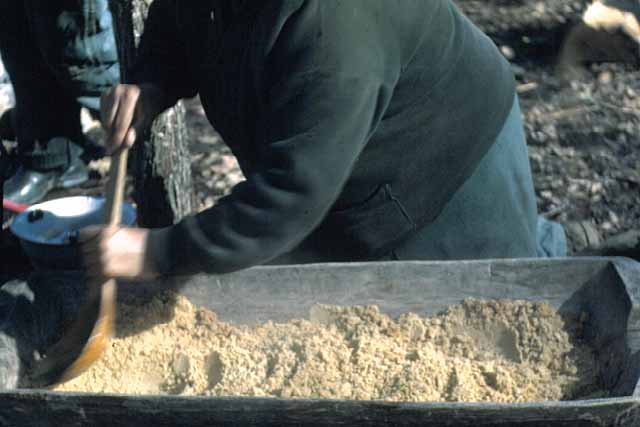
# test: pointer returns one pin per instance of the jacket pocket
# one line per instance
(370, 229)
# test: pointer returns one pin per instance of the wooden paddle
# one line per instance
(88, 336)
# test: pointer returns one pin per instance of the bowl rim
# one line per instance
(20, 225)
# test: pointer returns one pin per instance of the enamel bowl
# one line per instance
(48, 231)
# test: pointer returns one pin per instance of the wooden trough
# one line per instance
(608, 289)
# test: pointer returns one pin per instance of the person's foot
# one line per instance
(625, 244)
(30, 186)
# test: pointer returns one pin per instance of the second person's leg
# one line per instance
(47, 117)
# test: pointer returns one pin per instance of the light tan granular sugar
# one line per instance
(497, 350)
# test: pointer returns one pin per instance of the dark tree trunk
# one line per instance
(160, 160)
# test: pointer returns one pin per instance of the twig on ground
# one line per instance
(622, 108)
(526, 87)
(570, 112)
(558, 210)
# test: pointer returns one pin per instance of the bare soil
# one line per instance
(583, 133)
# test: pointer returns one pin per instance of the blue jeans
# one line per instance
(60, 55)
(493, 214)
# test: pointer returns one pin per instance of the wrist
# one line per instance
(156, 97)
(158, 249)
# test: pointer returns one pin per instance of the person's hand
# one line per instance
(122, 252)
(127, 110)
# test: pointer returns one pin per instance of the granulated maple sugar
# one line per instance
(497, 350)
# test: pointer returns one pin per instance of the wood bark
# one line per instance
(608, 289)
(34, 408)
(160, 161)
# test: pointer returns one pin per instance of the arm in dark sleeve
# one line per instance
(161, 56)
(320, 117)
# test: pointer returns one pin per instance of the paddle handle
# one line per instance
(63, 361)
(115, 187)
(103, 290)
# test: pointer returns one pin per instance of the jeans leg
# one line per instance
(493, 214)
(43, 108)
(76, 40)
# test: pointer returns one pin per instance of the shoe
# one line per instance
(625, 244)
(29, 186)
(582, 236)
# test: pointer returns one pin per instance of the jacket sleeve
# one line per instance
(321, 111)
(161, 55)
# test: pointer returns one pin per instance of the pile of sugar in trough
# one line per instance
(498, 350)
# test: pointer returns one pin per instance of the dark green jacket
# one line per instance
(354, 121)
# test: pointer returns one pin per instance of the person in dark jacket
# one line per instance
(60, 56)
(366, 130)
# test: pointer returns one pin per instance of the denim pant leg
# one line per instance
(494, 213)
(43, 108)
(59, 55)
(76, 40)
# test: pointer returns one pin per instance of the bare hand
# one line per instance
(122, 252)
(127, 110)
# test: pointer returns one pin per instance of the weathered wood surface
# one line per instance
(607, 289)
(161, 165)
(280, 293)
(56, 409)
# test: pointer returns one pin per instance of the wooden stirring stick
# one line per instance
(89, 335)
